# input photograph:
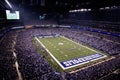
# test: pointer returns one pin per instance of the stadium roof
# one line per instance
(61, 6)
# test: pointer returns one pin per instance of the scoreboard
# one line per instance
(12, 15)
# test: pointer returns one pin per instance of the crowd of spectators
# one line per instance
(33, 66)
(95, 72)
(7, 60)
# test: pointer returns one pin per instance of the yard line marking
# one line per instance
(52, 60)
(66, 55)
(80, 44)
(59, 63)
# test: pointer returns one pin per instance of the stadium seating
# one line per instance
(33, 66)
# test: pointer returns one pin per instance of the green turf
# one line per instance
(63, 49)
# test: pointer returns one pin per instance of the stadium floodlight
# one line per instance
(107, 7)
(82, 10)
(101, 8)
(85, 9)
(8, 3)
(70, 10)
(75, 10)
(89, 9)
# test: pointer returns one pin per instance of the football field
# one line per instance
(68, 53)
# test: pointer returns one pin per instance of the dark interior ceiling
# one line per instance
(60, 6)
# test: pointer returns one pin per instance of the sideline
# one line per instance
(49, 53)
(59, 62)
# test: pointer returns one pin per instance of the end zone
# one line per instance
(82, 60)
(74, 62)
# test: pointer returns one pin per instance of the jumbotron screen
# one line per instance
(11, 15)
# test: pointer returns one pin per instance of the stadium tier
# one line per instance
(79, 52)
(59, 40)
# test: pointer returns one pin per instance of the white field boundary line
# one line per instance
(50, 53)
(60, 63)
(87, 48)
(82, 45)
